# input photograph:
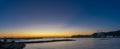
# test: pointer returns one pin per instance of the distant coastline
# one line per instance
(111, 34)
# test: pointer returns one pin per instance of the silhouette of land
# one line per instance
(111, 34)
(81, 36)
(7, 44)
(47, 41)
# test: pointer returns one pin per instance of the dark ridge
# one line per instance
(47, 41)
(112, 34)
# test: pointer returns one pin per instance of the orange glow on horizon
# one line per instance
(19, 35)
(16, 34)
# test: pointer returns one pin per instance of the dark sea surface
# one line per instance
(80, 43)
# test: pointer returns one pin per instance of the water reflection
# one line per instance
(80, 43)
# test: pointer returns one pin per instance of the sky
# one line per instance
(58, 17)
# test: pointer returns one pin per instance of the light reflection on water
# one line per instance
(80, 43)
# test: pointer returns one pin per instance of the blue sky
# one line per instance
(86, 15)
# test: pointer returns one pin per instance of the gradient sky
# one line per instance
(59, 16)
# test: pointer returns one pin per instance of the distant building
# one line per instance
(112, 34)
(99, 35)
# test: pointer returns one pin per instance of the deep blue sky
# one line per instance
(94, 15)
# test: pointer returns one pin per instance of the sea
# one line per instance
(80, 43)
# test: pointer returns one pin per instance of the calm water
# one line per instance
(80, 43)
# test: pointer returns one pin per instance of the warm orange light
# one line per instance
(16, 35)
(47, 33)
